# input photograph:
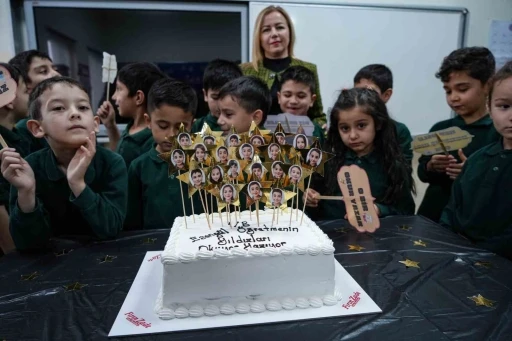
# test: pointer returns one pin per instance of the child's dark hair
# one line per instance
(478, 62)
(13, 70)
(386, 146)
(23, 60)
(34, 103)
(379, 74)
(232, 163)
(219, 72)
(139, 76)
(250, 93)
(172, 92)
(299, 74)
(502, 74)
(256, 166)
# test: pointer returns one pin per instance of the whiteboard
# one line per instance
(340, 40)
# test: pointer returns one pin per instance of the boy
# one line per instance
(297, 94)
(480, 204)
(241, 101)
(34, 66)
(465, 74)
(217, 73)
(379, 78)
(72, 187)
(10, 114)
(132, 88)
(152, 193)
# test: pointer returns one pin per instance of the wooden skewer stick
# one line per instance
(183, 203)
(219, 211)
(3, 143)
(291, 208)
(204, 209)
(258, 212)
(330, 197)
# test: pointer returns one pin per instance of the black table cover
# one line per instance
(426, 303)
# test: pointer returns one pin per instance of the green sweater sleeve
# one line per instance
(28, 229)
(448, 215)
(134, 217)
(403, 206)
(405, 140)
(105, 211)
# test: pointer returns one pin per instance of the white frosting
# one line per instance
(245, 269)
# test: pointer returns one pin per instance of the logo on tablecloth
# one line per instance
(137, 321)
(154, 258)
(352, 300)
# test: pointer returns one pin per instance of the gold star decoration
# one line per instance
(284, 195)
(30, 277)
(480, 300)
(107, 259)
(409, 263)
(207, 131)
(341, 230)
(74, 286)
(419, 243)
(149, 241)
(405, 227)
(355, 248)
(63, 252)
(483, 264)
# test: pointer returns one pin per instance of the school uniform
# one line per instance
(154, 198)
(269, 71)
(21, 143)
(377, 175)
(210, 119)
(98, 211)
(318, 132)
(438, 192)
(480, 206)
(34, 143)
(404, 138)
(131, 146)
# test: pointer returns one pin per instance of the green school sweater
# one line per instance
(404, 140)
(99, 211)
(210, 119)
(480, 206)
(35, 143)
(132, 146)
(440, 185)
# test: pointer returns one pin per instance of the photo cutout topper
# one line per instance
(8, 87)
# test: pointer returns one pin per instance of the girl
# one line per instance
(228, 193)
(362, 133)
(257, 171)
(300, 142)
(257, 140)
(234, 169)
(295, 173)
(314, 157)
(178, 158)
(273, 151)
(277, 170)
(255, 190)
(280, 138)
(222, 155)
(209, 140)
(200, 153)
(216, 175)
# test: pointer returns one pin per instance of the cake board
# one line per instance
(137, 314)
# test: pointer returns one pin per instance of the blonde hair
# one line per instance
(257, 51)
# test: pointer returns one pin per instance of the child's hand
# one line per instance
(439, 163)
(17, 171)
(311, 198)
(454, 169)
(79, 164)
(107, 114)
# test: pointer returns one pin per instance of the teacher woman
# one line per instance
(272, 53)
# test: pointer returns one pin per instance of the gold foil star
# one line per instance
(149, 241)
(483, 264)
(107, 258)
(74, 286)
(480, 300)
(405, 227)
(409, 263)
(63, 252)
(341, 230)
(30, 277)
(355, 248)
(419, 243)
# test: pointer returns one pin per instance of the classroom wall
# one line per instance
(6, 32)
(481, 12)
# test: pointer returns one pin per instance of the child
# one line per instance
(465, 74)
(197, 178)
(277, 197)
(216, 175)
(234, 169)
(295, 174)
(200, 152)
(300, 141)
(480, 204)
(34, 66)
(242, 101)
(257, 171)
(362, 133)
(314, 157)
(273, 151)
(10, 114)
(246, 152)
(277, 170)
(178, 159)
(217, 73)
(222, 155)
(131, 95)
(379, 78)
(184, 139)
(297, 94)
(255, 190)
(152, 195)
(73, 187)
